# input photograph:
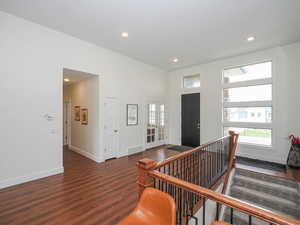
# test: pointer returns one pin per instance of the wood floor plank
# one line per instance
(87, 192)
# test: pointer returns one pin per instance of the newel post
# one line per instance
(144, 180)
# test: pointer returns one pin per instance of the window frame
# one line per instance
(269, 103)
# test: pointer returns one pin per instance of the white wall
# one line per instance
(32, 60)
(292, 54)
(286, 94)
(85, 138)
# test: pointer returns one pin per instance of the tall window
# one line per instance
(191, 81)
(247, 103)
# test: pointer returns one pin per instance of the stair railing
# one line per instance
(207, 166)
(189, 177)
(180, 190)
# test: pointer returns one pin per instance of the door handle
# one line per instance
(115, 131)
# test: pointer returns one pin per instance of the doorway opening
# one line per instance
(81, 113)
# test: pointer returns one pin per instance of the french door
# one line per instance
(156, 125)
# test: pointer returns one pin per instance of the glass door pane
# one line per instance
(151, 125)
(161, 125)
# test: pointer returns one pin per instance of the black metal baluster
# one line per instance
(177, 205)
(203, 215)
(159, 180)
(231, 215)
(250, 219)
(217, 211)
(173, 163)
(180, 204)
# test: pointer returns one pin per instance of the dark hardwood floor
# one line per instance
(87, 192)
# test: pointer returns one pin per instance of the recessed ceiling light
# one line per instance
(175, 60)
(125, 34)
(66, 80)
(250, 39)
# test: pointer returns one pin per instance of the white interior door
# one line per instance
(111, 128)
(156, 123)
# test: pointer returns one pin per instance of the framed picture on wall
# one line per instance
(132, 114)
(77, 113)
(84, 116)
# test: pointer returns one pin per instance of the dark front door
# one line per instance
(190, 120)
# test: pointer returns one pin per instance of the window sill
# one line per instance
(256, 146)
(193, 88)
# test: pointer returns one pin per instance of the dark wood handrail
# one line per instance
(183, 154)
(231, 164)
(247, 208)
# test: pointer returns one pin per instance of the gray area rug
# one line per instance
(276, 194)
(180, 148)
(261, 164)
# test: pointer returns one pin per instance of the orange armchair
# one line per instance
(154, 207)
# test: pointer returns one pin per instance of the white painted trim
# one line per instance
(248, 125)
(256, 146)
(85, 153)
(123, 154)
(248, 83)
(248, 104)
(30, 177)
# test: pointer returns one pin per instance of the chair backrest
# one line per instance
(159, 204)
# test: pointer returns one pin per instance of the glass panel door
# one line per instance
(155, 124)
(151, 126)
(161, 125)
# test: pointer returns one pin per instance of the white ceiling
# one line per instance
(75, 76)
(195, 31)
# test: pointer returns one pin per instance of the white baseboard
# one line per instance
(30, 177)
(85, 153)
(135, 149)
(122, 154)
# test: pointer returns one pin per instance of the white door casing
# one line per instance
(111, 128)
(66, 123)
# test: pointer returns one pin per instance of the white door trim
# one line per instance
(68, 112)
